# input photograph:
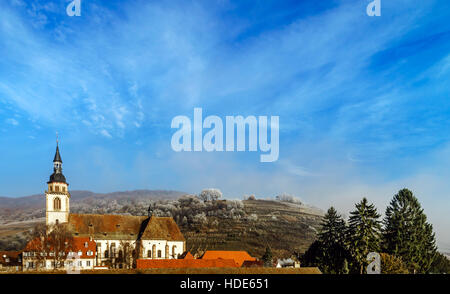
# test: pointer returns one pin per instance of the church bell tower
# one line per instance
(57, 196)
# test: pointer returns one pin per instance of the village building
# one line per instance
(286, 263)
(102, 241)
(10, 261)
(42, 255)
(210, 259)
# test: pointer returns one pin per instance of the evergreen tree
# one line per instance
(333, 253)
(267, 257)
(363, 234)
(332, 228)
(407, 234)
(440, 265)
(313, 256)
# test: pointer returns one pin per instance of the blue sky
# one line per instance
(364, 102)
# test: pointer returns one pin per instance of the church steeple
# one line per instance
(57, 155)
(57, 195)
(57, 175)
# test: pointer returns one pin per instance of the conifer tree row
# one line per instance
(406, 236)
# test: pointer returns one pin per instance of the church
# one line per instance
(104, 241)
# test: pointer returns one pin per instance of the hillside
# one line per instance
(249, 225)
(285, 227)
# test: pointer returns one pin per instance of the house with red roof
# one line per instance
(10, 261)
(45, 254)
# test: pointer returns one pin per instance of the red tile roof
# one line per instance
(185, 263)
(77, 244)
(33, 245)
(238, 256)
(125, 227)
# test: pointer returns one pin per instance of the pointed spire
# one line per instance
(57, 155)
(57, 175)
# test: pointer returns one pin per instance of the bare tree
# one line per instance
(37, 247)
(60, 243)
(50, 243)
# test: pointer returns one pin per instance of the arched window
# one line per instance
(57, 203)
(149, 254)
(106, 254)
(167, 252)
(154, 251)
(174, 247)
(159, 253)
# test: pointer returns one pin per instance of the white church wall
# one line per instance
(160, 245)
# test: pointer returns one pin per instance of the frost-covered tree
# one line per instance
(210, 194)
(288, 198)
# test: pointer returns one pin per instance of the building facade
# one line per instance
(113, 241)
(10, 261)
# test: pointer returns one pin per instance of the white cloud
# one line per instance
(12, 121)
(105, 133)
